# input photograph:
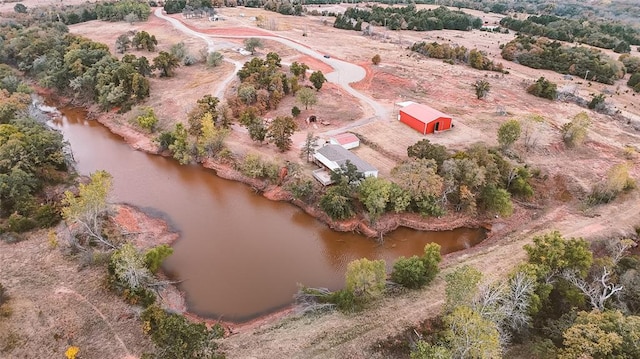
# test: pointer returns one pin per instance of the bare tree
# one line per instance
(598, 291)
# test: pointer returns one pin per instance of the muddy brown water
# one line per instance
(239, 255)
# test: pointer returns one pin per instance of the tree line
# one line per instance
(454, 53)
(406, 17)
(126, 10)
(542, 53)
(603, 34)
(32, 160)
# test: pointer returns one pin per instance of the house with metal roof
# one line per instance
(333, 157)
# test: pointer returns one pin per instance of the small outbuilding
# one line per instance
(423, 118)
(346, 140)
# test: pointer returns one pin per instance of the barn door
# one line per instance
(437, 126)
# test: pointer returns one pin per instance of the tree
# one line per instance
(462, 286)
(255, 125)
(180, 145)
(374, 194)
(143, 40)
(127, 266)
(211, 139)
(425, 149)
(366, 279)
(87, 209)
(419, 177)
(471, 336)
(309, 146)
(553, 254)
(166, 63)
(409, 272)
(154, 257)
(337, 203)
(131, 18)
(280, 131)
(431, 259)
(317, 79)
(307, 97)
(122, 43)
(574, 133)
(482, 88)
(622, 47)
(299, 69)
(376, 59)
(496, 200)
(251, 44)
(214, 59)
(508, 133)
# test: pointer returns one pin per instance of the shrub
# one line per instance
(295, 111)
(574, 133)
(634, 82)
(409, 272)
(165, 139)
(376, 59)
(153, 257)
(148, 120)
(176, 337)
(19, 223)
(543, 88)
(597, 102)
(47, 216)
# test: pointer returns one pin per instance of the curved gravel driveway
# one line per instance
(344, 73)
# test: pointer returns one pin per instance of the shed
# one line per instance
(334, 156)
(423, 118)
(346, 140)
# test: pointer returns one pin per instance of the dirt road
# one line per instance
(343, 75)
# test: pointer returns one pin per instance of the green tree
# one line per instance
(471, 336)
(374, 193)
(337, 203)
(280, 131)
(366, 278)
(317, 79)
(431, 259)
(307, 97)
(166, 63)
(143, 40)
(425, 149)
(86, 210)
(482, 88)
(299, 69)
(251, 44)
(127, 266)
(508, 134)
(462, 287)
(496, 200)
(254, 124)
(409, 272)
(180, 146)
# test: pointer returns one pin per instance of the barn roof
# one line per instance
(423, 113)
(340, 156)
(345, 138)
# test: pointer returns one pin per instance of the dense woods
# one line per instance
(607, 35)
(542, 53)
(407, 17)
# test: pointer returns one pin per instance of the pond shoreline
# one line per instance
(172, 297)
